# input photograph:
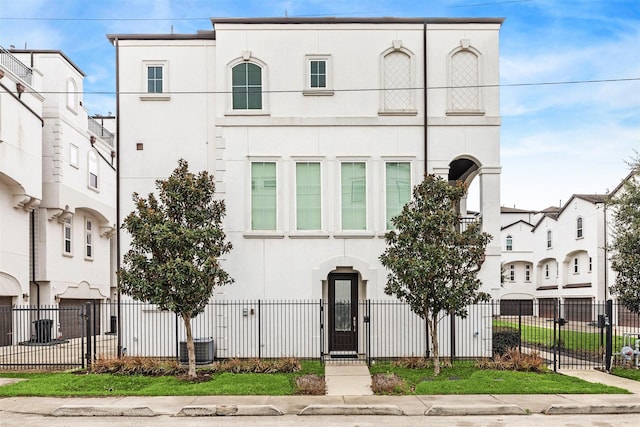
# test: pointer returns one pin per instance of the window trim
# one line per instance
(264, 111)
(509, 243)
(88, 240)
(92, 160)
(412, 110)
(74, 156)
(579, 228)
(549, 239)
(480, 111)
(249, 233)
(327, 90)
(145, 95)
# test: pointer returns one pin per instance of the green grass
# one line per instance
(71, 384)
(572, 340)
(465, 378)
(632, 374)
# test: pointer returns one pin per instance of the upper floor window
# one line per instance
(398, 189)
(509, 243)
(72, 95)
(246, 86)
(155, 78)
(512, 273)
(579, 227)
(308, 196)
(74, 156)
(263, 196)
(527, 273)
(353, 195)
(549, 241)
(576, 266)
(590, 264)
(88, 233)
(546, 271)
(397, 81)
(66, 237)
(464, 78)
(93, 170)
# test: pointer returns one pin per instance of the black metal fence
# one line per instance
(571, 334)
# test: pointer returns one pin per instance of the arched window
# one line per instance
(509, 243)
(93, 170)
(396, 68)
(72, 95)
(465, 81)
(579, 227)
(246, 86)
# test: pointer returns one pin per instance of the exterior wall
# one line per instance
(520, 256)
(20, 179)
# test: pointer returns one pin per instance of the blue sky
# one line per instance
(556, 139)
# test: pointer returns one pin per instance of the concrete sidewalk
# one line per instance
(455, 405)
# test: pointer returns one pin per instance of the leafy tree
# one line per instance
(432, 265)
(625, 259)
(176, 243)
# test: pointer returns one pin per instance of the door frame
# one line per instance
(343, 343)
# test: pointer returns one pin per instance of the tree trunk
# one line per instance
(190, 347)
(435, 349)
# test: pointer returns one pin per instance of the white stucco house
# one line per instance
(57, 185)
(315, 129)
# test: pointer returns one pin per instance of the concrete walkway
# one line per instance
(347, 379)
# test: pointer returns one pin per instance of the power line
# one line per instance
(499, 85)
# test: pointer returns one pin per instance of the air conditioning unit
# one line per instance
(205, 349)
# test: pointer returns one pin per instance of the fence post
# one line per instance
(520, 326)
(556, 317)
(609, 335)
(321, 332)
(259, 330)
(87, 318)
(452, 322)
(368, 325)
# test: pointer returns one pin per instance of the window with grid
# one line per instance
(546, 271)
(263, 196)
(154, 78)
(512, 273)
(509, 243)
(88, 232)
(398, 189)
(397, 82)
(549, 239)
(318, 73)
(527, 273)
(93, 170)
(576, 266)
(66, 237)
(246, 86)
(579, 227)
(353, 195)
(465, 91)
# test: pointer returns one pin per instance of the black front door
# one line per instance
(343, 312)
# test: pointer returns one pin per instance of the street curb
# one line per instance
(103, 411)
(568, 409)
(453, 410)
(227, 410)
(351, 410)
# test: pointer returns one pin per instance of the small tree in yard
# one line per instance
(432, 265)
(626, 243)
(176, 242)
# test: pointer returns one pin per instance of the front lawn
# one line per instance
(465, 378)
(632, 374)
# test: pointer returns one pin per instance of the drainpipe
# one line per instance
(33, 260)
(426, 103)
(118, 138)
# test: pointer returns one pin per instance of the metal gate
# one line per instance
(35, 341)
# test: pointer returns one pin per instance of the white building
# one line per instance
(316, 129)
(58, 182)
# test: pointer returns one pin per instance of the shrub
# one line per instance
(258, 366)
(413, 363)
(387, 384)
(310, 384)
(514, 360)
(504, 338)
(136, 365)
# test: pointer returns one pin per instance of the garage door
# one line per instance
(71, 322)
(514, 307)
(578, 309)
(547, 307)
(6, 321)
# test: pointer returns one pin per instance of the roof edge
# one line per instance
(200, 35)
(50, 51)
(356, 20)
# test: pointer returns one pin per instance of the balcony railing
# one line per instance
(14, 65)
(98, 130)
(465, 221)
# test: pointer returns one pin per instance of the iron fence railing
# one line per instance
(14, 65)
(98, 130)
(574, 333)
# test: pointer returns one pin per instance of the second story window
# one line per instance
(308, 196)
(246, 86)
(318, 74)
(549, 241)
(263, 196)
(353, 191)
(88, 239)
(398, 189)
(527, 273)
(93, 170)
(512, 273)
(576, 266)
(579, 227)
(546, 271)
(155, 78)
(590, 264)
(509, 243)
(66, 237)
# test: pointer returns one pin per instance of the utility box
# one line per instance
(205, 349)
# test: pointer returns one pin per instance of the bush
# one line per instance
(513, 360)
(387, 384)
(504, 338)
(136, 365)
(256, 366)
(311, 384)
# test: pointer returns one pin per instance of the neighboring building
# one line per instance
(315, 129)
(560, 257)
(58, 168)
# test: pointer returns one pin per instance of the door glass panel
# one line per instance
(342, 311)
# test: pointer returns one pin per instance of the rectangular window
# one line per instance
(548, 239)
(527, 273)
(590, 264)
(512, 273)
(263, 196)
(74, 156)
(509, 243)
(546, 271)
(88, 239)
(66, 233)
(576, 266)
(398, 189)
(353, 195)
(93, 170)
(318, 76)
(308, 196)
(154, 78)
(246, 87)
